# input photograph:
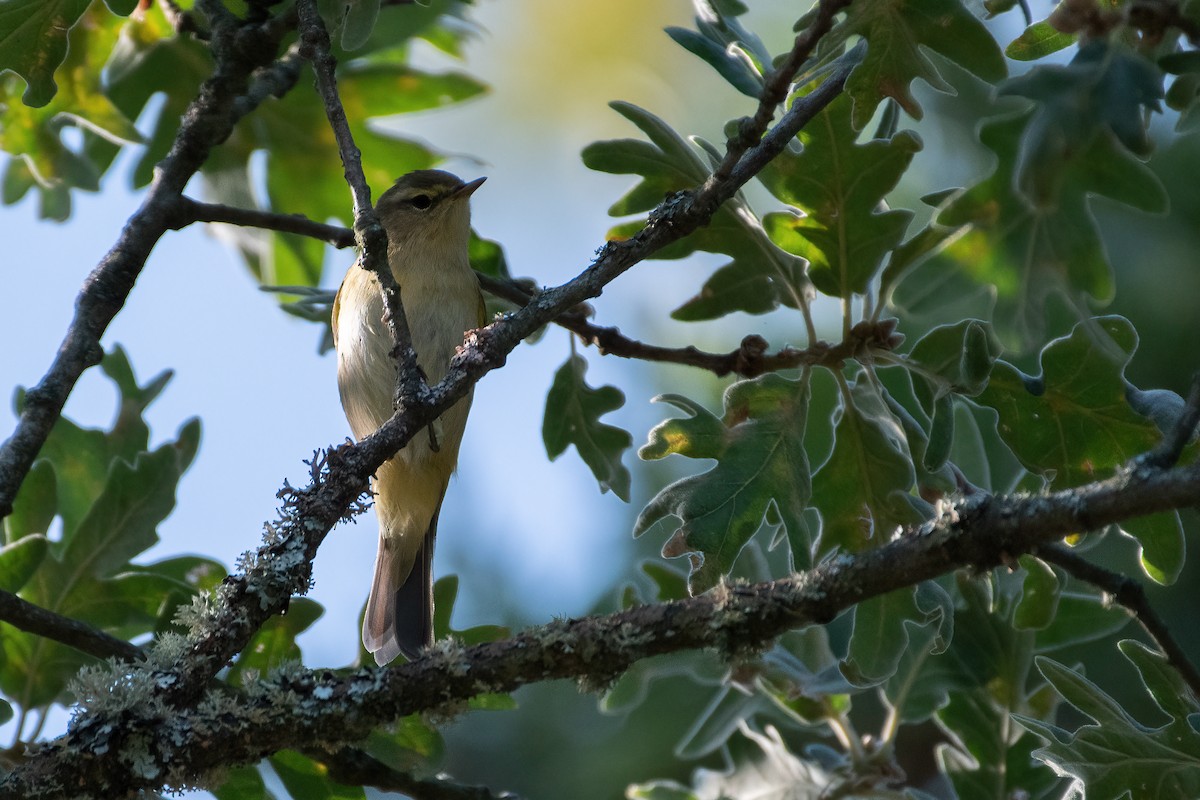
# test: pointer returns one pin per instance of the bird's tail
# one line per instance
(399, 615)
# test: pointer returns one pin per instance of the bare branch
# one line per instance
(372, 238)
(39, 621)
(1130, 594)
(188, 211)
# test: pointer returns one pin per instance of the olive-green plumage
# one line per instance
(428, 222)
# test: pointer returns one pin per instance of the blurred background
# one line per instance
(529, 539)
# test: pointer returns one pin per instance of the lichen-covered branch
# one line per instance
(302, 709)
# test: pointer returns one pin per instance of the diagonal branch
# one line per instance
(304, 709)
(776, 87)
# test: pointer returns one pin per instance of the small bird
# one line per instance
(427, 217)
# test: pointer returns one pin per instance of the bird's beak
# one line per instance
(467, 189)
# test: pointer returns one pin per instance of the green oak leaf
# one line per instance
(955, 358)
(242, 783)
(275, 642)
(35, 504)
(33, 42)
(1038, 41)
(20, 559)
(993, 764)
(1040, 592)
(660, 790)
(914, 252)
(412, 744)
(922, 683)
(987, 669)
(880, 636)
(1115, 755)
(445, 593)
(1073, 424)
(897, 33)
(1080, 618)
(761, 463)
(738, 55)
(148, 61)
(358, 23)
(1161, 545)
(438, 22)
(304, 777)
(726, 711)
(1024, 251)
(863, 490)
(1105, 89)
(838, 185)
(635, 684)
(33, 134)
(760, 277)
(573, 411)
(111, 493)
(929, 436)
(81, 457)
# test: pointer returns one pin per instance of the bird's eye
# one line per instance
(421, 201)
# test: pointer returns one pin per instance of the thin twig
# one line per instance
(372, 238)
(188, 211)
(776, 87)
(749, 360)
(39, 621)
(1129, 594)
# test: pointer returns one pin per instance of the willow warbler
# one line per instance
(428, 221)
